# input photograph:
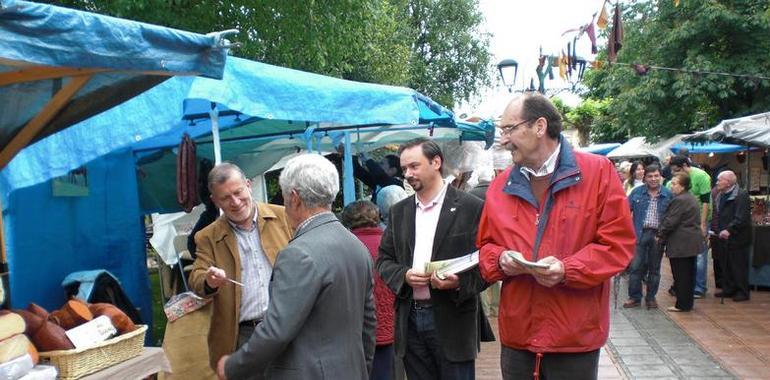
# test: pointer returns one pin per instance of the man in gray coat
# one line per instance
(320, 320)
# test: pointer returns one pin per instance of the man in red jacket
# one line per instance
(566, 211)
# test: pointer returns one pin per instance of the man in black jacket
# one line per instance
(436, 319)
(734, 232)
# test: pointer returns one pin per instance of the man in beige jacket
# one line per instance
(238, 248)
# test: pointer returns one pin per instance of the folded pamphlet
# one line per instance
(519, 258)
(452, 266)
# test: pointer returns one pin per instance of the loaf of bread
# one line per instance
(51, 337)
(74, 313)
(11, 324)
(37, 310)
(13, 347)
(119, 319)
(31, 321)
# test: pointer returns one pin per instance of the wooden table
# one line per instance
(152, 360)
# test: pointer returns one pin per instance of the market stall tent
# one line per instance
(639, 147)
(58, 67)
(601, 149)
(253, 102)
(751, 130)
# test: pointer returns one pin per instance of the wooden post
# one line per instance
(26, 134)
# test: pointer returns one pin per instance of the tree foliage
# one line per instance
(434, 46)
(728, 36)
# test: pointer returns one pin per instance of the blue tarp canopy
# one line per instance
(708, 147)
(60, 66)
(601, 149)
(258, 108)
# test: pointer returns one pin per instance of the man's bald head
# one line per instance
(726, 180)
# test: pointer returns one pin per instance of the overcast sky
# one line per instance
(519, 28)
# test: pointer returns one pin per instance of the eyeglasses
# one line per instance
(508, 129)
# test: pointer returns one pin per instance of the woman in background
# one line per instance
(680, 233)
(363, 219)
(635, 177)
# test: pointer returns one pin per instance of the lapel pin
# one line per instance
(453, 209)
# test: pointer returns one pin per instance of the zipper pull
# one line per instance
(537, 219)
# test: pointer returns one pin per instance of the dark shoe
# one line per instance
(652, 304)
(631, 304)
(698, 296)
(740, 298)
(723, 294)
(671, 292)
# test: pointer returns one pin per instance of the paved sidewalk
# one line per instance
(647, 344)
(715, 341)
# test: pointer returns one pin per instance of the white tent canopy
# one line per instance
(638, 147)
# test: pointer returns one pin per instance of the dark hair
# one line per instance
(679, 160)
(361, 213)
(394, 163)
(683, 179)
(534, 105)
(651, 168)
(429, 149)
(634, 166)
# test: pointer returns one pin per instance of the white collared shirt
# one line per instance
(425, 222)
(548, 167)
(255, 272)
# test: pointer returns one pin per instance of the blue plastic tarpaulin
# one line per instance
(601, 149)
(708, 147)
(59, 66)
(253, 100)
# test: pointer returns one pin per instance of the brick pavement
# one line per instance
(716, 341)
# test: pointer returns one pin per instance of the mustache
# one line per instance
(508, 146)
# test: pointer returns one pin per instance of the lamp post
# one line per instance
(508, 69)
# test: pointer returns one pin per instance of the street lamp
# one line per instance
(508, 69)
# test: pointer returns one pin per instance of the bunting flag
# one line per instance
(591, 36)
(640, 69)
(562, 66)
(615, 40)
(676, 3)
(604, 17)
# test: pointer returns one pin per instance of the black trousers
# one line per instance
(520, 365)
(736, 281)
(683, 269)
(718, 255)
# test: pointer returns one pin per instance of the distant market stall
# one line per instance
(753, 132)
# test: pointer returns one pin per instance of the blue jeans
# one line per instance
(701, 271)
(424, 359)
(646, 264)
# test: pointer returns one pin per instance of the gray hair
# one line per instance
(219, 174)
(313, 177)
(387, 197)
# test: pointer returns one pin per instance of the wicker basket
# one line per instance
(74, 364)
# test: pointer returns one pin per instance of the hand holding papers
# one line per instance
(519, 258)
(452, 266)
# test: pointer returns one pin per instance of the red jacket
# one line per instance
(588, 228)
(384, 299)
